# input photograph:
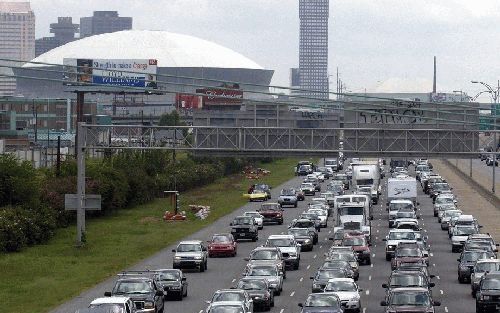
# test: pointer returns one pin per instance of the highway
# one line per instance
(224, 272)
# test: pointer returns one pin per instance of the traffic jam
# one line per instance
(347, 215)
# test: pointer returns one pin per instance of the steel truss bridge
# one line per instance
(266, 142)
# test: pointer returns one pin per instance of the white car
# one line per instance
(320, 176)
(288, 247)
(322, 214)
(257, 217)
(406, 223)
(396, 236)
(227, 306)
(124, 303)
(347, 291)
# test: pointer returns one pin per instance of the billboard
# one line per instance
(185, 101)
(120, 73)
(213, 96)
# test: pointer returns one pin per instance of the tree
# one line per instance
(171, 119)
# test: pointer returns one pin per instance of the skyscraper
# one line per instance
(103, 22)
(17, 39)
(64, 31)
(313, 47)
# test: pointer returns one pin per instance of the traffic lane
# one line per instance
(225, 272)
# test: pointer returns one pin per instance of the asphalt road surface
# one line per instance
(224, 272)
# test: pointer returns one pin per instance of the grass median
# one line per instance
(40, 278)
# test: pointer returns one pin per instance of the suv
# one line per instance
(288, 197)
(306, 223)
(360, 246)
(190, 254)
(480, 269)
(487, 298)
(466, 263)
(410, 299)
(244, 227)
(304, 237)
(270, 255)
(272, 212)
(111, 303)
(393, 239)
(173, 282)
(141, 289)
(288, 246)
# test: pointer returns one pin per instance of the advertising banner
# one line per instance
(220, 96)
(121, 73)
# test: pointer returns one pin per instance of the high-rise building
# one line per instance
(313, 47)
(64, 31)
(103, 22)
(17, 39)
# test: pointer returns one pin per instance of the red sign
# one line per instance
(221, 96)
(183, 101)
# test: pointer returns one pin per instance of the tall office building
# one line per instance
(64, 31)
(313, 47)
(17, 39)
(103, 22)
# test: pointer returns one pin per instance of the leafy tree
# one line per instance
(171, 119)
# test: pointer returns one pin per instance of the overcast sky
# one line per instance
(382, 45)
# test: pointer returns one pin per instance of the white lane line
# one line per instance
(378, 225)
(438, 277)
(425, 230)
(201, 311)
(441, 291)
(378, 230)
(292, 294)
(364, 310)
(282, 233)
(431, 254)
(376, 238)
(329, 231)
(315, 256)
(371, 265)
(308, 267)
(368, 292)
(375, 246)
(434, 264)
(320, 247)
(446, 309)
(301, 279)
(370, 277)
(234, 279)
(326, 239)
(373, 255)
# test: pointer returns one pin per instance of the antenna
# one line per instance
(434, 81)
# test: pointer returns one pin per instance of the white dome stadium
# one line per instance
(170, 49)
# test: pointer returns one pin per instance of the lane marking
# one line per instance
(282, 310)
(371, 265)
(438, 277)
(441, 291)
(373, 255)
(364, 310)
(431, 254)
(425, 230)
(434, 264)
(329, 231)
(201, 311)
(368, 292)
(446, 309)
(282, 233)
(315, 256)
(375, 246)
(292, 294)
(320, 247)
(376, 238)
(309, 266)
(301, 279)
(234, 279)
(370, 277)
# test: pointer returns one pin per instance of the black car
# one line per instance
(466, 263)
(410, 299)
(244, 227)
(173, 282)
(334, 264)
(312, 217)
(326, 302)
(320, 279)
(304, 237)
(143, 291)
(488, 294)
(260, 292)
(402, 279)
(307, 223)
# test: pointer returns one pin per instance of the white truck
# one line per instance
(367, 174)
(402, 188)
(353, 216)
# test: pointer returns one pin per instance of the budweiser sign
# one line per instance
(220, 96)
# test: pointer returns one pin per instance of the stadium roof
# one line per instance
(170, 49)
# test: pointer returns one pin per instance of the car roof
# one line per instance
(190, 242)
(488, 261)
(395, 230)
(280, 237)
(494, 274)
(231, 290)
(331, 280)
(410, 289)
(465, 217)
(111, 300)
(402, 201)
(224, 303)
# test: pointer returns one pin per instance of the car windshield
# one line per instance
(329, 274)
(306, 186)
(491, 284)
(407, 281)
(304, 168)
(408, 252)
(252, 214)
(354, 241)
(410, 299)
(451, 213)
(322, 300)
(397, 206)
(318, 212)
(263, 271)
(288, 192)
(304, 224)
(472, 256)
(349, 257)
(243, 221)
(335, 264)
(365, 189)
(444, 200)
(441, 187)
(463, 231)
(108, 307)
(133, 287)
(270, 207)
(339, 234)
(228, 296)
(422, 168)
(252, 285)
(227, 309)
(405, 214)
(299, 232)
(341, 286)
(280, 243)
(264, 255)
(402, 236)
(219, 239)
(486, 267)
(168, 276)
(347, 210)
(188, 248)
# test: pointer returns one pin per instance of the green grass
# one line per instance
(42, 277)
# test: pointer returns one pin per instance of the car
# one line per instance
(344, 178)
(443, 208)
(312, 217)
(256, 195)
(443, 199)
(360, 246)
(347, 291)
(259, 290)
(142, 289)
(233, 295)
(110, 304)
(407, 255)
(484, 237)
(322, 302)
(406, 223)
(288, 196)
(402, 279)
(306, 223)
(490, 161)
(459, 236)
(314, 181)
(304, 237)
(244, 227)
(222, 244)
(326, 171)
(304, 169)
(308, 189)
(267, 255)
(300, 194)
(270, 272)
(447, 216)
(322, 276)
(190, 254)
(227, 307)
(322, 214)
(466, 263)
(487, 296)
(288, 247)
(337, 237)
(263, 187)
(439, 188)
(173, 282)
(272, 212)
(482, 267)
(396, 236)
(412, 267)
(259, 218)
(333, 264)
(410, 299)
(348, 257)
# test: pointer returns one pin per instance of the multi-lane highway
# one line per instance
(224, 272)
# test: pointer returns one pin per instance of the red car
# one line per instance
(360, 246)
(407, 255)
(222, 245)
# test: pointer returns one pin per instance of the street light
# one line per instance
(494, 93)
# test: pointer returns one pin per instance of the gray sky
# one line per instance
(382, 45)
